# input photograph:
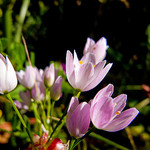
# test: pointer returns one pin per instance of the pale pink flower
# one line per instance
(85, 74)
(98, 49)
(56, 89)
(78, 118)
(49, 75)
(27, 77)
(106, 112)
(8, 78)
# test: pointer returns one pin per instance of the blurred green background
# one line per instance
(50, 27)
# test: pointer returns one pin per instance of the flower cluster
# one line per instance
(44, 87)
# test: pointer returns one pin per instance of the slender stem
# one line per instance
(48, 107)
(77, 93)
(97, 136)
(16, 110)
(26, 49)
(20, 117)
(51, 111)
(23, 12)
(130, 137)
(80, 139)
(71, 144)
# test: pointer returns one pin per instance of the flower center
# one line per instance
(81, 62)
(118, 112)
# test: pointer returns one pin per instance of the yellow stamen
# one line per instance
(93, 65)
(81, 62)
(115, 104)
(118, 112)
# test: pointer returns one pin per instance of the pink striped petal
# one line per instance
(99, 74)
(119, 103)
(106, 91)
(101, 112)
(122, 120)
(84, 74)
(79, 121)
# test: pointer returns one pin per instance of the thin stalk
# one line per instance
(20, 117)
(80, 139)
(51, 111)
(48, 107)
(77, 93)
(71, 144)
(99, 137)
(23, 12)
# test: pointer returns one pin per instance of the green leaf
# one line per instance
(3, 44)
(18, 55)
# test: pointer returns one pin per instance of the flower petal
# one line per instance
(89, 57)
(89, 44)
(119, 103)
(101, 112)
(55, 90)
(122, 120)
(11, 78)
(99, 74)
(106, 91)
(79, 122)
(84, 74)
(74, 102)
(69, 64)
(2, 76)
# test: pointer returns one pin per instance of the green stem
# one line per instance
(71, 144)
(22, 15)
(48, 107)
(97, 136)
(77, 93)
(80, 139)
(51, 111)
(20, 117)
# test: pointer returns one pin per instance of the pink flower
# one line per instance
(85, 74)
(56, 89)
(26, 98)
(27, 77)
(49, 75)
(78, 118)
(38, 91)
(106, 112)
(8, 78)
(98, 49)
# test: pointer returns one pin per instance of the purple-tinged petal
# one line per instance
(71, 80)
(89, 44)
(122, 120)
(119, 103)
(2, 75)
(79, 122)
(101, 112)
(99, 49)
(29, 77)
(106, 91)
(74, 102)
(89, 57)
(76, 62)
(69, 65)
(11, 78)
(49, 75)
(83, 75)
(26, 98)
(55, 90)
(99, 74)
(18, 104)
